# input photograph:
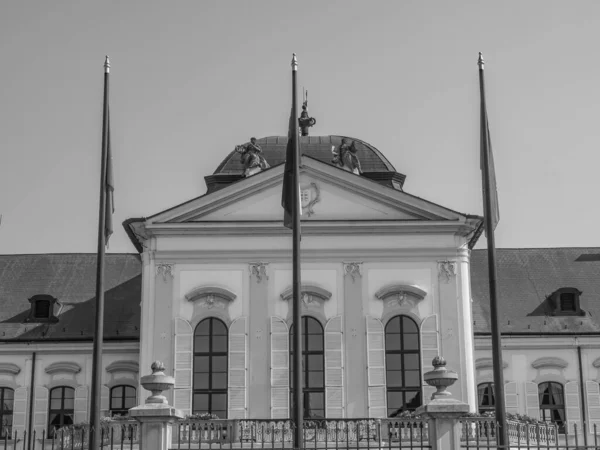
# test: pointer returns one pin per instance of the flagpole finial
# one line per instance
(106, 65)
(480, 61)
(294, 62)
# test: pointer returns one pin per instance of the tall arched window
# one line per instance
(62, 408)
(552, 403)
(485, 397)
(313, 369)
(122, 398)
(7, 400)
(210, 368)
(403, 369)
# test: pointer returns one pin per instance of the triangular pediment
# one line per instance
(328, 193)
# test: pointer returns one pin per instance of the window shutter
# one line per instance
(429, 350)
(592, 390)
(40, 415)
(376, 368)
(573, 410)
(237, 369)
(532, 400)
(20, 411)
(334, 368)
(182, 395)
(81, 404)
(511, 397)
(105, 401)
(280, 356)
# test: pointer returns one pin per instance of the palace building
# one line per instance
(389, 281)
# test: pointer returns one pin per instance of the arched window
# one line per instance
(485, 397)
(210, 368)
(122, 398)
(7, 399)
(313, 369)
(62, 405)
(403, 369)
(552, 403)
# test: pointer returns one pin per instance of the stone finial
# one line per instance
(440, 378)
(157, 383)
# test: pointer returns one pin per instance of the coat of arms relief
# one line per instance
(310, 194)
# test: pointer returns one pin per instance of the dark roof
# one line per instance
(525, 279)
(71, 279)
(318, 147)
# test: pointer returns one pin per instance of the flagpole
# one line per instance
(296, 283)
(95, 430)
(502, 434)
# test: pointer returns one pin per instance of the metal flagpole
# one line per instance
(296, 283)
(95, 431)
(489, 190)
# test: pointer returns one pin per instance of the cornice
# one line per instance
(63, 366)
(9, 368)
(123, 366)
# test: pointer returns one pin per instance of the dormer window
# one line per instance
(42, 309)
(566, 302)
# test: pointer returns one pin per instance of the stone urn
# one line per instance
(440, 378)
(157, 383)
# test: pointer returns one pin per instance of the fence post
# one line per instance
(156, 417)
(443, 412)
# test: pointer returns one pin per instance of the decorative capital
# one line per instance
(353, 269)
(258, 269)
(165, 269)
(446, 270)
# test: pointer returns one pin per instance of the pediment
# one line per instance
(328, 193)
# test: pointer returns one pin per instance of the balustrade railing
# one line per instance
(520, 434)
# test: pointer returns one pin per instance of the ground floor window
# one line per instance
(7, 398)
(122, 398)
(552, 404)
(485, 398)
(62, 405)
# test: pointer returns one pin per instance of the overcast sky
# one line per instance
(190, 80)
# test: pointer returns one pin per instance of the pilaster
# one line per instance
(259, 392)
(354, 341)
(162, 330)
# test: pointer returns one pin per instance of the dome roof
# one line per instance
(318, 147)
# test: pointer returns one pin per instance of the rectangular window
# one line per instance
(567, 302)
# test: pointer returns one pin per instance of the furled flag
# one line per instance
(109, 186)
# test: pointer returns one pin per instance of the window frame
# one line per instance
(489, 392)
(122, 411)
(552, 407)
(404, 390)
(6, 426)
(62, 411)
(210, 354)
(306, 368)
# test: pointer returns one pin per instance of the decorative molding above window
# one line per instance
(42, 309)
(565, 302)
(487, 363)
(211, 297)
(549, 362)
(400, 293)
(123, 366)
(9, 369)
(309, 292)
(63, 366)
(596, 363)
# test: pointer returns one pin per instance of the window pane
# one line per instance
(392, 342)
(313, 326)
(221, 414)
(130, 402)
(219, 402)
(413, 399)
(201, 363)
(316, 400)
(394, 378)
(201, 344)
(393, 326)
(409, 325)
(412, 378)
(394, 401)
(55, 403)
(411, 361)
(394, 362)
(411, 342)
(219, 328)
(315, 342)
(201, 381)
(219, 344)
(203, 328)
(130, 392)
(219, 363)
(219, 380)
(315, 362)
(69, 403)
(315, 379)
(56, 393)
(200, 402)
(9, 394)
(69, 392)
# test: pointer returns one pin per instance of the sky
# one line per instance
(192, 79)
